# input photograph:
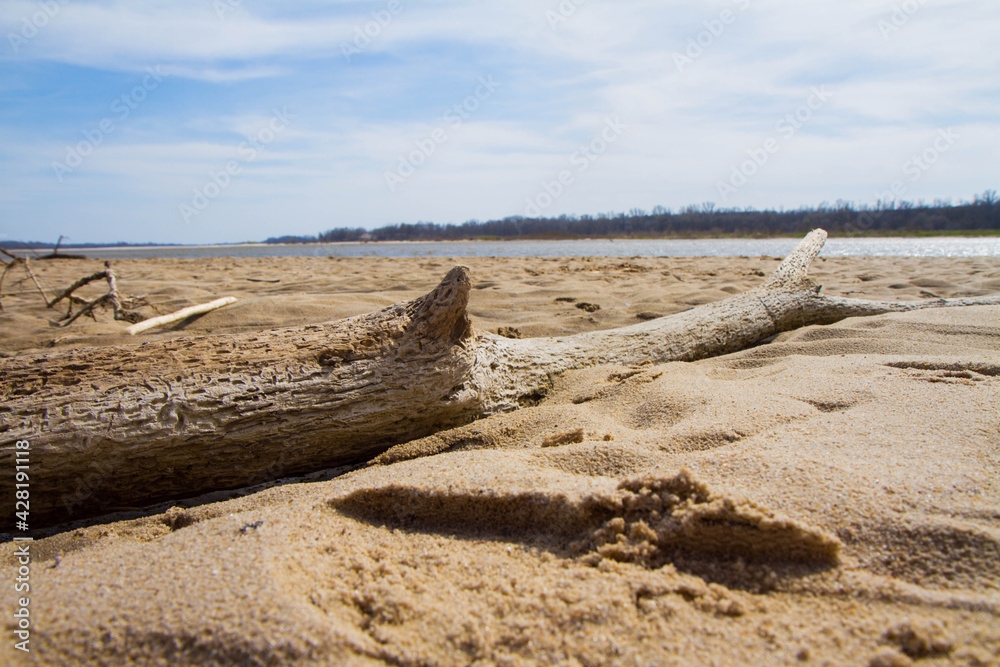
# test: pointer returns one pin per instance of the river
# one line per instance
(935, 246)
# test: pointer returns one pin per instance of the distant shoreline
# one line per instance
(487, 239)
(843, 246)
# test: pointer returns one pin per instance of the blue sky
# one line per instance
(204, 121)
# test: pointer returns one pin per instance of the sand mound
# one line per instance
(644, 520)
(663, 515)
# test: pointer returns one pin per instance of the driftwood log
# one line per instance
(121, 427)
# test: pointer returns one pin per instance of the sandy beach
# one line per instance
(829, 498)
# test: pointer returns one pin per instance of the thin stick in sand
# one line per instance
(181, 314)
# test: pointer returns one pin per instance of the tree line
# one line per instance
(981, 214)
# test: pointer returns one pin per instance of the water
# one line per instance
(937, 246)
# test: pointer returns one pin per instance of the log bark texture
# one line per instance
(122, 427)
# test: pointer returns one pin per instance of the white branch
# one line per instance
(181, 314)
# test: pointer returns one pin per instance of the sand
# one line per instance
(831, 497)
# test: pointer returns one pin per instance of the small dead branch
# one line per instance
(78, 284)
(55, 252)
(112, 298)
(181, 314)
(124, 307)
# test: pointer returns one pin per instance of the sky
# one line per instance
(218, 121)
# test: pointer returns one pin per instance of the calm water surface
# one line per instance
(939, 246)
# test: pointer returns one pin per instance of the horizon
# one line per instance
(217, 122)
(861, 226)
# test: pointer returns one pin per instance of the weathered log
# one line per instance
(114, 427)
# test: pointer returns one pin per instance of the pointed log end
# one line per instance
(792, 272)
(441, 315)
